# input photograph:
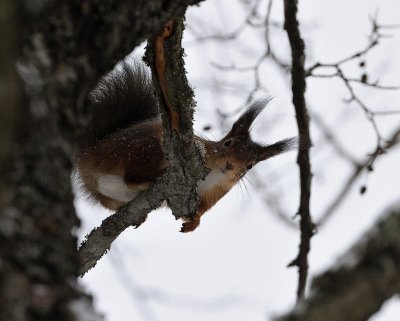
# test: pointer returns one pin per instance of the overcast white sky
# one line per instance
(233, 267)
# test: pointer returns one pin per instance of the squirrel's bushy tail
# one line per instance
(123, 97)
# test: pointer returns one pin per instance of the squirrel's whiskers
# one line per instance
(121, 153)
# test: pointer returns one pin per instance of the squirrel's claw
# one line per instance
(190, 226)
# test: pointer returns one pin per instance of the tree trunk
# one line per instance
(62, 49)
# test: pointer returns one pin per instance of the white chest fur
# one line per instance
(214, 178)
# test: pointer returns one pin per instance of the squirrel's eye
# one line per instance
(249, 166)
(228, 142)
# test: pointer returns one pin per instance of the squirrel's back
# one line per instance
(122, 98)
(121, 152)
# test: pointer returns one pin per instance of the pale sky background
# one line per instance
(233, 267)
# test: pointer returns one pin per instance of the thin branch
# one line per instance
(228, 36)
(373, 84)
(271, 199)
(358, 54)
(362, 81)
(364, 279)
(331, 138)
(367, 165)
(338, 72)
(386, 112)
(99, 240)
(255, 68)
(137, 293)
(270, 52)
(143, 294)
(303, 160)
(367, 111)
(374, 38)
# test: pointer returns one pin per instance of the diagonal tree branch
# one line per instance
(364, 279)
(303, 160)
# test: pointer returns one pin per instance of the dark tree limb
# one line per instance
(65, 48)
(10, 85)
(303, 160)
(176, 96)
(364, 279)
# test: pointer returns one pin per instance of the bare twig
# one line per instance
(386, 112)
(303, 160)
(310, 70)
(271, 199)
(137, 293)
(367, 164)
(255, 68)
(270, 52)
(338, 72)
(143, 294)
(331, 138)
(227, 36)
(99, 240)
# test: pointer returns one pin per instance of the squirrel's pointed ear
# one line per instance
(280, 147)
(242, 125)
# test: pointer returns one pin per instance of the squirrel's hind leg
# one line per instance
(109, 203)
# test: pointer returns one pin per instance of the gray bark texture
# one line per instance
(363, 279)
(178, 185)
(62, 48)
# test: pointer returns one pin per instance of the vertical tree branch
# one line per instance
(10, 85)
(362, 280)
(303, 160)
(177, 109)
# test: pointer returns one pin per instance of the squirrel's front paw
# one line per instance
(190, 226)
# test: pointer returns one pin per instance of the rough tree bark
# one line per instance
(303, 159)
(65, 47)
(178, 185)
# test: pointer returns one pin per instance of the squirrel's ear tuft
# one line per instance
(280, 147)
(242, 125)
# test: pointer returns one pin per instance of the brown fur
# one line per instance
(134, 153)
(124, 140)
(207, 200)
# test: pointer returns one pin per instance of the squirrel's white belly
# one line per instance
(113, 186)
(214, 178)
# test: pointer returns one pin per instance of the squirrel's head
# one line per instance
(237, 153)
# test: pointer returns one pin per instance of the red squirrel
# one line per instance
(122, 154)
